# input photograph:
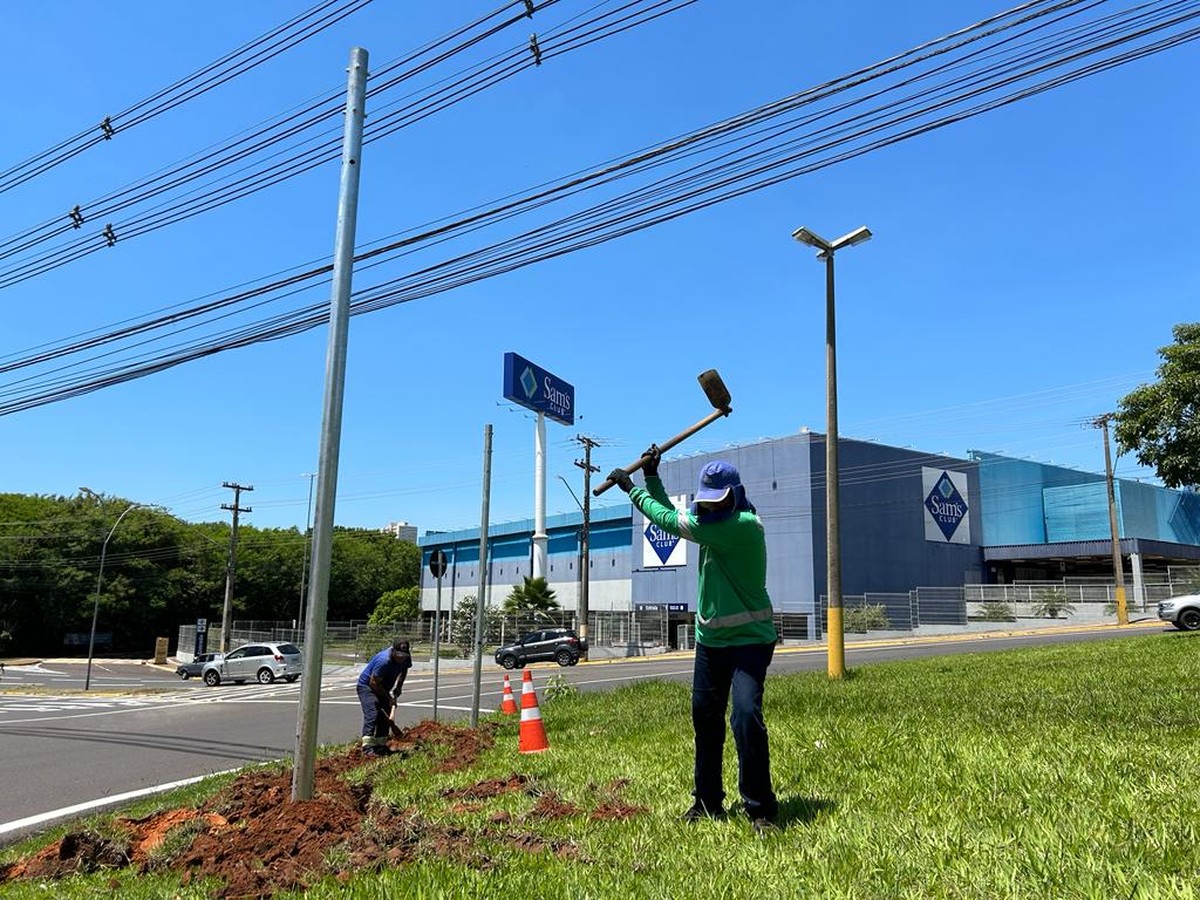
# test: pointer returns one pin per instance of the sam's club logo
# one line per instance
(529, 383)
(663, 542)
(947, 507)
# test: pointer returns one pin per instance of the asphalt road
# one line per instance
(140, 727)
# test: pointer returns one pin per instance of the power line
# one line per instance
(235, 63)
(760, 148)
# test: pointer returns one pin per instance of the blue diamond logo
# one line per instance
(946, 505)
(663, 542)
(529, 382)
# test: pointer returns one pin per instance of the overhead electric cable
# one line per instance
(261, 172)
(235, 63)
(1035, 63)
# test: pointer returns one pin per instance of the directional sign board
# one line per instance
(534, 388)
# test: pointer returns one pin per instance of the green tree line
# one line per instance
(161, 572)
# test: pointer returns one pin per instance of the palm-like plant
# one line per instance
(532, 594)
(1052, 602)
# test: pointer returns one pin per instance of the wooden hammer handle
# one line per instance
(665, 446)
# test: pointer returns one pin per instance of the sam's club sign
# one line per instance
(661, 549)
(534, 388)
(947, 506)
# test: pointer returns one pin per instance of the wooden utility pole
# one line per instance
(231, 566)
(585, 565)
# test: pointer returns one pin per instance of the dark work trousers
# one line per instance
(375, 726)
(743, 670)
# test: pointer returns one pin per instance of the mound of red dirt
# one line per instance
(252, 840)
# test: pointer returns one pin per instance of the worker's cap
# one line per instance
(717, 479)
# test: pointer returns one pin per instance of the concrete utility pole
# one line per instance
(231, 567)
(585, 566)
(304, 770)
(1114, 531)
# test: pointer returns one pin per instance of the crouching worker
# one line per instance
(378, 687)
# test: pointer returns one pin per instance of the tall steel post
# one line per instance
(585, 537)
(331, 429)
(437, 644)
(539, 498)
(481, 597)
(836, 662)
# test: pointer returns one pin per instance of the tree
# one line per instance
(400, 605)
(533, 594)
(463, 631)
(1160, 422)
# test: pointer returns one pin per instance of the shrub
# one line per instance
(996, 611)
(865, 618)
(1051, 603)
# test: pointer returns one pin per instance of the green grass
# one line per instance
(1060, 772)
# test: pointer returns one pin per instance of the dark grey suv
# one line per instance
(561, 645)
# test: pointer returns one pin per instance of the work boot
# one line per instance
(699, 811)
(764, 827)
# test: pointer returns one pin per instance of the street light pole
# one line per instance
(836, 663)
(87, 681)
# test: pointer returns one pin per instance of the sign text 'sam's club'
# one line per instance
(531, 386)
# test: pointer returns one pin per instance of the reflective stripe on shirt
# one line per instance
(735, 619)
(684, 526)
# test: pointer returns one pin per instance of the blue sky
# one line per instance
(1025, 268)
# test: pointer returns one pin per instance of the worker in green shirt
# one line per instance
(735, 631)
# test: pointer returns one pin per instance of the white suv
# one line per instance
(1182, 612)
(262, 662)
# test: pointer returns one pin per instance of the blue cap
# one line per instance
(717, 479)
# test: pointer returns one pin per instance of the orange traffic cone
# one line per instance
(508, 703)
(533, 733)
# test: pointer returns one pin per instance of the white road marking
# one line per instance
(68, 811)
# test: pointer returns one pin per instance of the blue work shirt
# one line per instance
(383, 668)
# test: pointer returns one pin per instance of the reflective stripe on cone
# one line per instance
(533, 732)
(508, 703)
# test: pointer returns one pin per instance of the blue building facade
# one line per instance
(908, 520)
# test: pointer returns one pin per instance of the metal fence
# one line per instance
(641, 632)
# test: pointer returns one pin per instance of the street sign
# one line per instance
(437, 563)
(534, 388)
(202, 624)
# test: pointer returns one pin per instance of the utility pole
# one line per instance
(1118, 568)
(231, 568)
(585, 565)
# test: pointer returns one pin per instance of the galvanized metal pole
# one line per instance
(836, 661)
(437, 643)
(331, 430)
(304, 563)
(483, 560)
(539, 498)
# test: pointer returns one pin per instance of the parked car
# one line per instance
(262, 662)
(1182, 612)
(559, 644)
(194, 668)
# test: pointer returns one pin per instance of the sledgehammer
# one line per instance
(717, 394)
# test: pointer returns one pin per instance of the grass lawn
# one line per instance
(1055, 772)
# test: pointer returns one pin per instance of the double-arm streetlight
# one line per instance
(87, 682)
(833, 548)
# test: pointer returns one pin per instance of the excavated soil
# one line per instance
(253, 841)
